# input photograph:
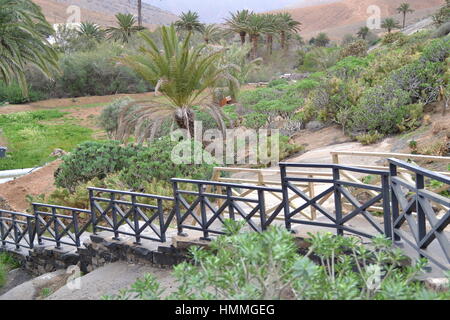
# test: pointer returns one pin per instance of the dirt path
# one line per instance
(38, 182)
(70, 102)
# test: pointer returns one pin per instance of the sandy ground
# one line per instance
(39, 182)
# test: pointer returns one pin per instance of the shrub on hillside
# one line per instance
(357, 49)
(13, 94)
(109, 118)
(93, 160)
(270, 266)
(90, 73)
(394, 37)
(442, 31)
(155, 162)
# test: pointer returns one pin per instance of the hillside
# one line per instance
(102, 12)
(347, 16)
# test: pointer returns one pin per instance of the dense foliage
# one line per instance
(258, 266)
(135, 165)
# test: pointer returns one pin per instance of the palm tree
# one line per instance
(125, 29)
(187, 76)
(363, 32)
(210, 32)
(322, 40)
(286, 24)
(271, 20)
(390, 24)
(23, 40)
(237, 23)
(140, 14)
(190, 22)
(90, 31)
(405, 8)
(256, 25)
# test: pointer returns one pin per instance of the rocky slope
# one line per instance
(102, 12)
(347, 16)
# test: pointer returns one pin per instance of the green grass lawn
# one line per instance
(32, 137)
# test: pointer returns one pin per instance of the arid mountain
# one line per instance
(102, 12)
(347, 16)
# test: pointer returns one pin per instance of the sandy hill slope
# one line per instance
(347, 16)
(102, 12)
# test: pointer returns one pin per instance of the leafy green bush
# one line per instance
(90, 73)
(155, 162)
(442, 31)
(7, 263)
(14, 95)
(93, 160)
(356, 49)
(267, 266)
(390, 38)
(277, 82)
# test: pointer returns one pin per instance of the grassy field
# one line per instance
(33, 136)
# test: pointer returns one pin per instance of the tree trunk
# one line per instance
(269, 44)
(243, 35)
(140, 13)
(404, 20)
(255, 39)
(283, 40)
(184, 117)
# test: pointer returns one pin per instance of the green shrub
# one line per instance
(13, 94)
(7, 263)
(268, 266)
(93, 160)
(277, 82)
(390, 38)
(381, 109)
(109, 118)
(90, 73)
(369, 138)
(155, 162)
(357, 49)
(442, 31)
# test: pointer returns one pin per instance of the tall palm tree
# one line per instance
(272, 22)
(237, 23)
(139, 5)
(363, 32)
(23, 40)
(286, 24)
(256, 25)
(210, 32)
(390, 24)
(188, 75)
(90, 31)
(190, 22)
(126, 27)
(404, 9)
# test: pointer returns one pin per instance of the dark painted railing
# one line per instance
(113, 210)
(203, 209)
(337, 189)
(416, 221)
(407, 211)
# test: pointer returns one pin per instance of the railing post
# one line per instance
(395, 205)
(16, 233)
(337, 200)
(55, 226)
(161, 220)
(230, 203)
(421, 218)
(262, 209)
(38, 226)
(31, 231)
(203, 212)
(93, 215)
(76, 228)
(386, 206)
(285, 188)
(177, 209)
(136, 220)
(114, 216)
(2, 230)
